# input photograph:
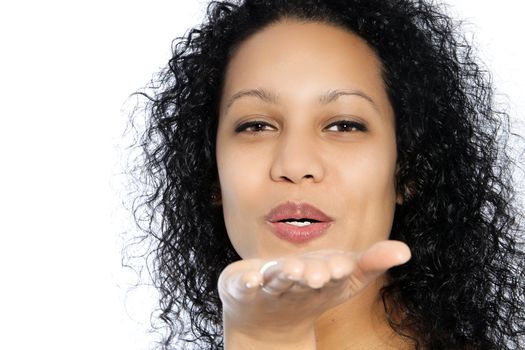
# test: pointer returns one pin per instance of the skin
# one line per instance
(339, 157)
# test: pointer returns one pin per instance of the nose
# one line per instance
(297, 157)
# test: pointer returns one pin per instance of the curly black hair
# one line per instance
(463, 287)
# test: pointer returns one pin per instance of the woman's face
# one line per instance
(305, 122)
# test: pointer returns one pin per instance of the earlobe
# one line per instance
(400, 193)
(399, 198)
(215, 195)
(404, 193)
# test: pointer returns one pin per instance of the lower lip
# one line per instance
(299, 234)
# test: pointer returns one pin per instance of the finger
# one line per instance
(277, 284)
(384, 255)
(316, 273)
(245, 285)
(293, 268)
(379, 258)
(269, 272)
(341, 265)
(240, 285)
(278, 277)
(251, 279)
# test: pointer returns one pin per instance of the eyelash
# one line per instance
(351, 126)
(245, 126)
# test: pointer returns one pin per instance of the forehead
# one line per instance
(303, 58)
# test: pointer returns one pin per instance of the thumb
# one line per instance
(379, 258)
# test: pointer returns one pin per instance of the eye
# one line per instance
(346, 126)
(254, 127)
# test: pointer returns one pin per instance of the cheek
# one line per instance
(366, 192)
(241, 177)
(367, 179)
(378, 172)
(370, 165)
(240, 174)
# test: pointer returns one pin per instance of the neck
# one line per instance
(359, 323)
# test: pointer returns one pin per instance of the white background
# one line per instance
(66, 71)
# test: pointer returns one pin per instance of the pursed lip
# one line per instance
(279, 221)
(290, 210)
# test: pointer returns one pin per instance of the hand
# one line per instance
(285, 296)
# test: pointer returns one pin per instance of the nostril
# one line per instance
(289, 179)
(286, 178)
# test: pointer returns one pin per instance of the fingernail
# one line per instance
(292, 278)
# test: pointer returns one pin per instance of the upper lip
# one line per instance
(290, 210)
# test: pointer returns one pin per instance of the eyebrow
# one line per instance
(273, 98)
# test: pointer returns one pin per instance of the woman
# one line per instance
(337, 169)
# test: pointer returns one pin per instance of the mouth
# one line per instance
(298, 213)
(298, 223)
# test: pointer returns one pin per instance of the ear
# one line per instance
(400, 190)
(399, 198)
(215, 195)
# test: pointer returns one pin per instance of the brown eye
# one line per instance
(346, 126)
(254, 127)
